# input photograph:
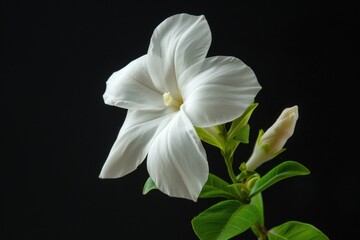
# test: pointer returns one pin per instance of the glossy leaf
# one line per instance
(258, 202)
(284, 170)
(294, 230)
(243, 134)
(236, 130)
(241, 137)
(217, 187)
(224, 220)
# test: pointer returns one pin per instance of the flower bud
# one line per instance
(270, 144)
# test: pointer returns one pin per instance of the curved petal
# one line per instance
(217, 90)
(131, 87)
(177, 43)
(177, 160)
(133, 142)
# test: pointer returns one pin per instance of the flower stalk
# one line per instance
(229, 167)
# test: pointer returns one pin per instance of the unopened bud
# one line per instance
(271, 143)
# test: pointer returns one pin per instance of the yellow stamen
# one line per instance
(170, 101)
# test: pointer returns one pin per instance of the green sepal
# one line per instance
(244, 174)
(224, 220)
(267, 148)
(282, 171)
(261, 132)
(294, 230)
(217, 187)
(148, 186)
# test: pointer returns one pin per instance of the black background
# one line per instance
(56, 59)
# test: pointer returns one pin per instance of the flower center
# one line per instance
(170, 101)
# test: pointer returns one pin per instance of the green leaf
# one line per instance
(284, 170)
(149, 185)
(243, 134)
(237, 130)
(224, 220)
(259, 224)
(294, 230)
(241, 137)
(212, 136)
(258, 202)
(217, 187)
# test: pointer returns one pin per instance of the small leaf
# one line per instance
(241, 137)
(237, 126)
(224, 220)
(210, 136)
(294, 230)
(243, 134)
(149, 185)
(284, 170)
(217, 187)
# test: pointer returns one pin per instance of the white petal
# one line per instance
(177, 43)
(133, 142)
(217, 90)
(177, 160)
(131, 87)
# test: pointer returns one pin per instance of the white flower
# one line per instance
(167, 92)
(271, 143)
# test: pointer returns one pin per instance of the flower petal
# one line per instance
(177, 160)
(131, 87)
(177, 43)
(133, 142)
(217, 90)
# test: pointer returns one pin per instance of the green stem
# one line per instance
(259, 231)
(229, 166)
(262, 233)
